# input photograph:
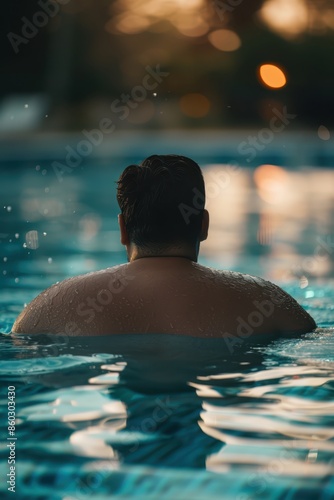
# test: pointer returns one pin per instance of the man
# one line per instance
(162, 288)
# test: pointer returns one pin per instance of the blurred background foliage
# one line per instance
(86, 53)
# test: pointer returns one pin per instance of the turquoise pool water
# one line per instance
(165, 416)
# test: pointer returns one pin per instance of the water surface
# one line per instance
(166, 416)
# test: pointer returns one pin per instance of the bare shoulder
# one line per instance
(98, 302)
(62, 302)
(258, 297)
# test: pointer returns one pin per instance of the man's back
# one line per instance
(164, 295)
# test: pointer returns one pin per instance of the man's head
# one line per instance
(162, 206)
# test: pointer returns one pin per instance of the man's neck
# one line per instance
(135, 253)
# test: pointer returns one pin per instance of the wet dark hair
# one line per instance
(162, 201)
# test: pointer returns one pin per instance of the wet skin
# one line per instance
(169, 294)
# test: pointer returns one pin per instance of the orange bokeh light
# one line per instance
(272, 76)
(271, 182)
(225, 40)
(195, 105)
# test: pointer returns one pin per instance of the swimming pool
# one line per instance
(169, 416)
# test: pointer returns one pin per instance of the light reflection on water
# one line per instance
(273, 222)
(277, 221)
(146, 406)
(173, 417)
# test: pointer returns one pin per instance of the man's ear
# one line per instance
(205, 225)
(124, 234)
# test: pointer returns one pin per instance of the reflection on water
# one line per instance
(270, 221)
(165, 416)
(108, 415)
(282, 219)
